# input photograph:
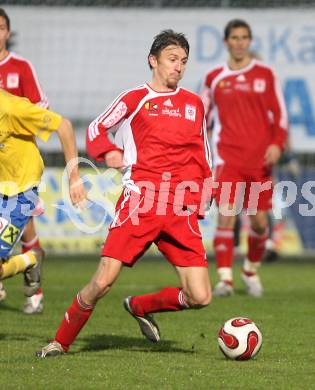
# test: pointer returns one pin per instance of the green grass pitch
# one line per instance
(110, 353)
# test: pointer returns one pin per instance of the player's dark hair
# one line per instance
(167, 38)
(236, 23)
(6, 18)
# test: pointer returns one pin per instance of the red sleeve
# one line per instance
(279, 113)
(31, 87)
(204, 135)
(206, 94)
(98, 134)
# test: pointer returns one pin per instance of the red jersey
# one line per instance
(248, 113)
(162, 134)
(18, 77)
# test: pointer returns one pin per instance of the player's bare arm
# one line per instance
(66, 135)
(114, 159)
(272, 154)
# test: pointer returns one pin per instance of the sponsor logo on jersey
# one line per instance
(13, 80)
(3, 224)
(151, 107)
(259, 85)
(172, 112)
(115, 116)
(168, 103)
(246, 87)
(190, 112)
(225, 84)
(240, 78)
(10, 234)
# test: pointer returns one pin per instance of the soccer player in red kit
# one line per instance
(161, 146)
(244, 101)
(18, 77)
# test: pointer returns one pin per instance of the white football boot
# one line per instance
(52, 349)
(253, 285)
(223, 289)
(149, 328)
(34, 304)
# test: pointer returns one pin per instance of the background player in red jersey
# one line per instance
(18, 77)
(162, 132)
(243, 98)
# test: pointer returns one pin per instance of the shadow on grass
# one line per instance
(17, 337)
(5, 307)
(104, 342)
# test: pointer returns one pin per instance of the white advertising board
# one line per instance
(87, 56)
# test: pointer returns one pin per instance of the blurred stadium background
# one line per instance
(86, 52)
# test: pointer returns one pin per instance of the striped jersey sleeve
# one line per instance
(99, 139)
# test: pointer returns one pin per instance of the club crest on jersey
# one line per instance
(259, 85)
(13, 80)
(190, 112)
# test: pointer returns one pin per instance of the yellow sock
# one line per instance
(16, 264)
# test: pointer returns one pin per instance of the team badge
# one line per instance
(13, 80)
(190, 112)
(259, 85)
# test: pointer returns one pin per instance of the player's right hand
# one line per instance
(114, 159)
(77, 192)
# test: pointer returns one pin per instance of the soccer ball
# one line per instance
(239, 339)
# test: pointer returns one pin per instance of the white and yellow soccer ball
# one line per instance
(240, 339)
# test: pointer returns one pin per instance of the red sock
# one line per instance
(75, 318)
(168, 299)
(256, 246)
(34, 243)
(223, 247)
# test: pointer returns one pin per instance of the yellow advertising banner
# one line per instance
(63, 229)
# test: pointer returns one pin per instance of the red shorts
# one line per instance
(249, 188)
(133, 231)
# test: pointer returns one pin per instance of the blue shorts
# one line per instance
(15, 212)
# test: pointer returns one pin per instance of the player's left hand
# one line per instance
(114, 159)
(272, 154)
(77, 193)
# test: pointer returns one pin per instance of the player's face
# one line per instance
(238, 43)
(4, 33)
(169, 66)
